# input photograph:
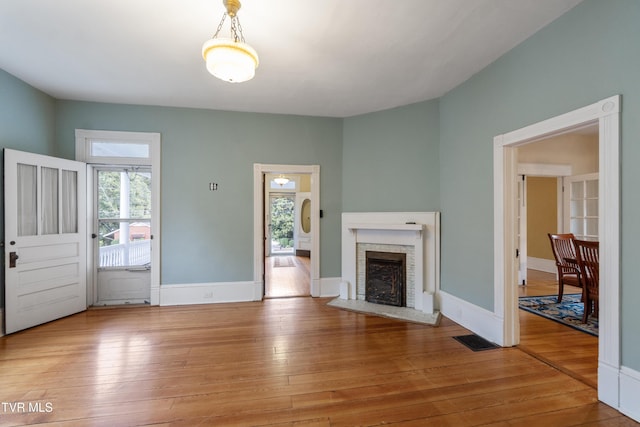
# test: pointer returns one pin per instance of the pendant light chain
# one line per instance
(236, 28)
(236, 20)
(224, 15)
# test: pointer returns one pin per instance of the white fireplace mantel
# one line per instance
(421, 230)
(397, 227)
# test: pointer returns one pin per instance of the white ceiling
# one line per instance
(334, 58)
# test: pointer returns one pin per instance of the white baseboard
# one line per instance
(541, 264)
(210, 293)
(330, 286)
(213, 293)
(629, 392)
(477, 319)
(608, 384)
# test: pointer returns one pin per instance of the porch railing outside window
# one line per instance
(136, 253)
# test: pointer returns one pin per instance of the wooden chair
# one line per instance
(565, 255)
(588, 257)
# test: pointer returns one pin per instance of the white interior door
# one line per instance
(522, 229)
(302, 222)
(45, 245)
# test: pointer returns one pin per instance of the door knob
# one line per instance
(12, 259)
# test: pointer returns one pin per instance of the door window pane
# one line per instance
(577, 208)
(592, 207)
(577, 227)
(49, 201)
(69, 201)
(592, 188)
(124, 194)
(577, 191)
(124, 243)
(27, 200)
(124, 217)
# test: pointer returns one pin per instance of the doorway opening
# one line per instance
(123, 216)
(286, 269)
(282, 256)
(558, 193)
(606, 115)
(123, 242)
(281, 217)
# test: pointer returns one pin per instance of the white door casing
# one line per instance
(146, 152)
(45, 265)
(606, 113)
(259, 171)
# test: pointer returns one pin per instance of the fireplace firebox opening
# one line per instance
(386, 278)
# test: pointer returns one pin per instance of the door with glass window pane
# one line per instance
(581, 206)
(45, 246)
(124, 235)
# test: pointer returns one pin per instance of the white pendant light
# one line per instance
(230, 59)
(281, 180)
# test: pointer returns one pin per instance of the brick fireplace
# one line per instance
(412, 237)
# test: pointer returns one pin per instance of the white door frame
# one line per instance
(259, 171)
(83, 138)
(606, 113)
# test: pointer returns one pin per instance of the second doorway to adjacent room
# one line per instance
(287, 235)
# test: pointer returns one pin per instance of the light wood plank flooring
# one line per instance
(565, 348)
(287, 276)
(281, 362)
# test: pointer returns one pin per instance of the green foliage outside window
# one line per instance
(282, 221)
(109, 187)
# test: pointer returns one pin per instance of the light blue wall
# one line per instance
(207, 236)
(586, 55)
(391, 161)
(441, 149)
(27, 123)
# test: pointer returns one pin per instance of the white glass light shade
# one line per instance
(230, 61)
(281, 180)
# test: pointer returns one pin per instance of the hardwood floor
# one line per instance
(287, 276)
(280, 362)
(570, 351)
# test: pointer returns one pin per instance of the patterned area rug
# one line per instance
(283, 262)
(568, 312)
